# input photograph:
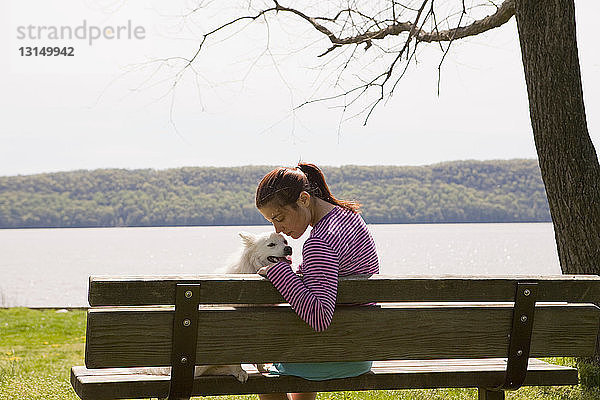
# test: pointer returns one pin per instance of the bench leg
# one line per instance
(485, 394)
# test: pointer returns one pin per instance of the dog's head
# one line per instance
(266, 249)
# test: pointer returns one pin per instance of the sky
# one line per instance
(113, 104)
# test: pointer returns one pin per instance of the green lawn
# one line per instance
(38, 348)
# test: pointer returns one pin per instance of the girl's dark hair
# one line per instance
(283, 186)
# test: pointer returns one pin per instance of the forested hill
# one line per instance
(462, 191)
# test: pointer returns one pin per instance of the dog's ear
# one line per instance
(247, 238)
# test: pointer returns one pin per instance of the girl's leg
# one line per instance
(273, 396)
(302, 396)
(288, 396)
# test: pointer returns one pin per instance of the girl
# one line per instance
(339, 245)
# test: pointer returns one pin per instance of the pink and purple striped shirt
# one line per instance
(339, 245)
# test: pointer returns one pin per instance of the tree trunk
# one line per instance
(567, 158)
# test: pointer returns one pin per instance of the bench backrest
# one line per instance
(419, 318)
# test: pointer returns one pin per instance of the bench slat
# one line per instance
(142, 337)
(252, 289)
(418, 374)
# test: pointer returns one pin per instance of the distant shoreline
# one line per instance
(201, 226)
(455, 192)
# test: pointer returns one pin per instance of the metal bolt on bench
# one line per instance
(185, 335)
(520, 341)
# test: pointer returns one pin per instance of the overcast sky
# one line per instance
(110, 105)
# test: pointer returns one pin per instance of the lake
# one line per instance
(50, 267)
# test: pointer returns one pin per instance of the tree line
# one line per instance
(450, 192)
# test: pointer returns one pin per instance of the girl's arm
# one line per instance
(313, 297)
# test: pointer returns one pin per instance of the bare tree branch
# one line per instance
(501, 16)
(464, 12)
(354, 26)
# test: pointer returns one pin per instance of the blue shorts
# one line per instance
(322, 371)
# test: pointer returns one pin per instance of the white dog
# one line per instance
(258, 251)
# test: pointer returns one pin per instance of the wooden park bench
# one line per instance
(426, 332)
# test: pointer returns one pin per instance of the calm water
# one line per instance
(50, 267)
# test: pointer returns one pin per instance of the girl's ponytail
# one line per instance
(318, 187)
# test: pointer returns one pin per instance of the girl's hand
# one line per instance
(263, 271)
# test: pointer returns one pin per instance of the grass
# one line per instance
(38, 348)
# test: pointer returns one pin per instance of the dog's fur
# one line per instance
(258, 251)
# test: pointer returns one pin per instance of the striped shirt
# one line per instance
(339, 245)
